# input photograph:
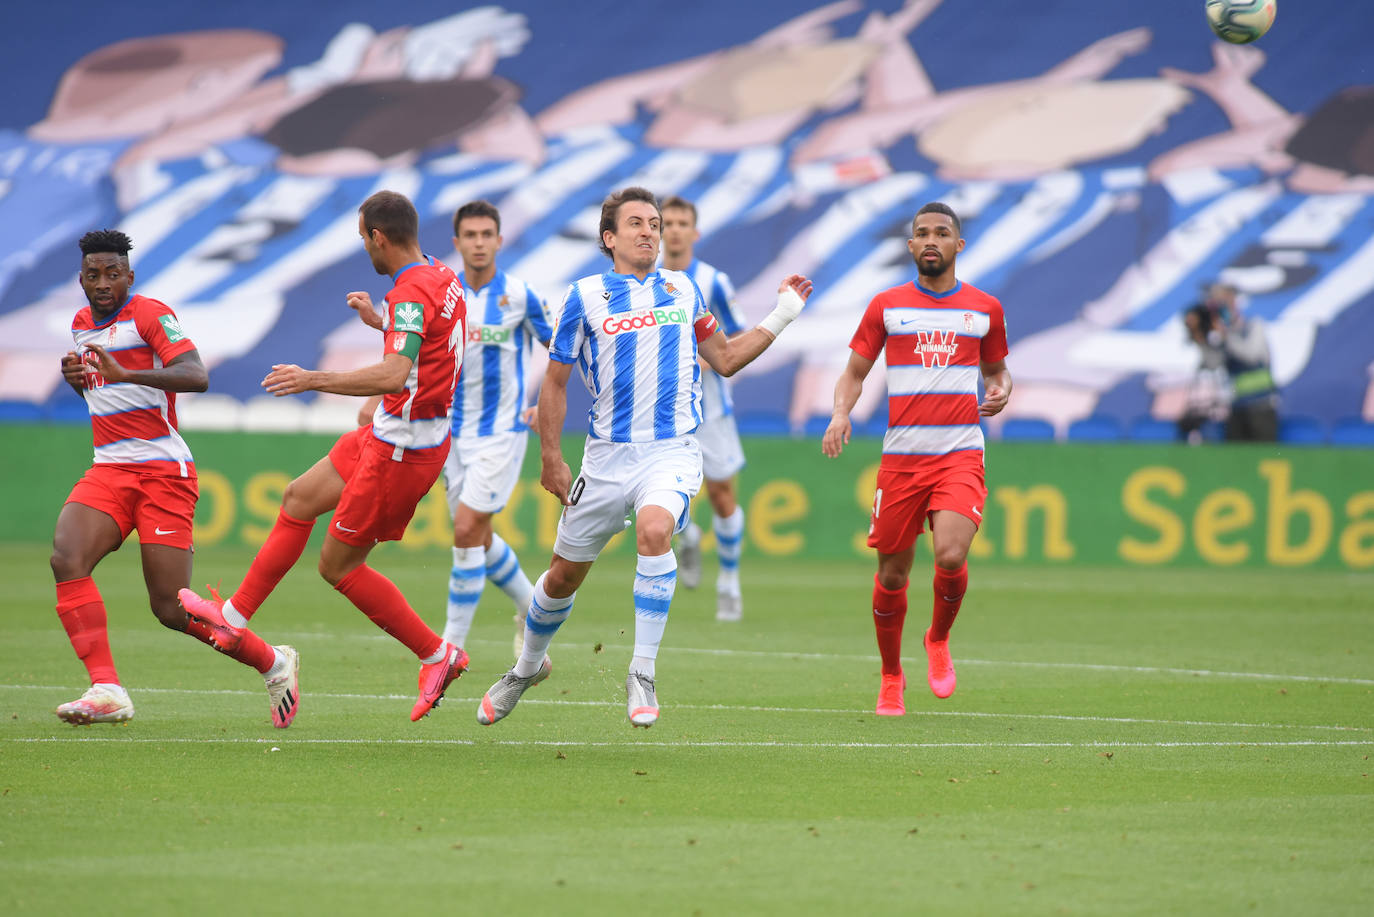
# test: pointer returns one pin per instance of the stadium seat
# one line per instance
(1153, 430)
(1352, 431)
(21, 411)
(1307, 431)
(1027, 429)
(1097, 428)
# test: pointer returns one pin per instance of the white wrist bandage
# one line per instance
(789, 307)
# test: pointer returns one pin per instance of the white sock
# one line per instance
(642, 665)
(465, 583)
(729, 544)
(655, 581)
(278, 664)
(503, 569)
(231, 615)
(545, 616)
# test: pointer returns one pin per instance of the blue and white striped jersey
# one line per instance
(635, 344)
(505, 317)
(719, 294)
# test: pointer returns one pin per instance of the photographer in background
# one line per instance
(1235, 352)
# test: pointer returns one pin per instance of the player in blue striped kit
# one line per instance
(490, 420)
(634, 333)
(722, 454)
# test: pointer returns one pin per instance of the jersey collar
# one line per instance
(429, 259)
(958, 285)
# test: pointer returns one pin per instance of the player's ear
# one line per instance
(131, 277)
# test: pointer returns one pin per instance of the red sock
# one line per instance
(950, 586)
(889, 614)
(82, 613)
(284, 546)
(379, 599)
(252, 649)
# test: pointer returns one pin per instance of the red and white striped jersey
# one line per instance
(935, 343)
(135, 425)
(427, 302)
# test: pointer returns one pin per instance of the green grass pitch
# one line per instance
(1121, 742)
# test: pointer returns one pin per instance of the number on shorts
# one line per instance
(576, 493)
(877, 501)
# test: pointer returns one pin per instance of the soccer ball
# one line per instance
(1241, 21)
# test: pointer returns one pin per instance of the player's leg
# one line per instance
(889, 618)
(83, 535)
(550, 606)
(727, 521)
(309, 496)
(376, 505)
(665, 478)
(166, 571)
(468, 577)
(951, 534)
(899, 509)
(584, 528)
(654, 585)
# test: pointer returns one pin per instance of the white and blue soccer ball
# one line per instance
(1241, 21)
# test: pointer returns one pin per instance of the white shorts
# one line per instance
(481, 472)
(616, 481)
(722, 455)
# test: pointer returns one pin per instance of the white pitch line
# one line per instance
(866, 657)
(754, 708)
(686, 743)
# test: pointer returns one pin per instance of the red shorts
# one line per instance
(162, 508)
(904, 499)
(380, 494)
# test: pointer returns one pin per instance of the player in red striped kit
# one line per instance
(939, 336)
(132, 357)
(374, 475)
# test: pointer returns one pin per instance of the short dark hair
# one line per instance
(99, 241)
(680, 203)
(610, 211)
(391, 213)
(476, 209)
(940, 207)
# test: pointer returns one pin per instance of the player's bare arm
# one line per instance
(847, 390)
(361, 302)
(378, 379)
(555, 476)
(996, 387)
(186, 373)
(728, 356)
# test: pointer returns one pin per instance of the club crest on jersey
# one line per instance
(644, 318)
(410, 316)
(672, 290)
(934, 348)
(504, 300)
(968, 321)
